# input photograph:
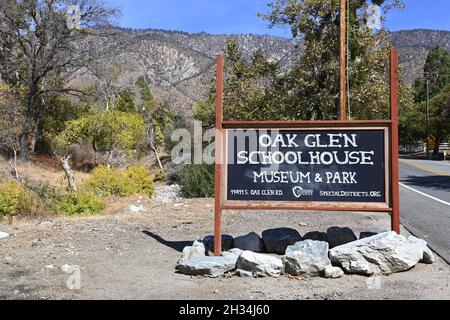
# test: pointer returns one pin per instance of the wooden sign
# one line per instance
(307, 165)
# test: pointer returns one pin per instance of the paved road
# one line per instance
(425, 202)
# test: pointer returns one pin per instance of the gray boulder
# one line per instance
(277, 240)
(428, 256)
(3, 235)
(237, 252)
(212, 267)
(333, 272)
(338, 236)
(227, 243)
(244, 274)
(383, 253)
(197, 250)
(260, 264)
(250, 242)
(316, 236)
(307, 258)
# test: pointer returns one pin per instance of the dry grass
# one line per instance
(42, 169)
(47, 170)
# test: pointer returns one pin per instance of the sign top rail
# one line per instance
(286, 124)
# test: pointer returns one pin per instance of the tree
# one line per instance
(439, 106)
(261, 88)
(107, 131)
(12, 122)
(205, 111)
(125, 101)
(253, 86)
(107, 71)
(436, 71)
(39, 41)
(158, 119)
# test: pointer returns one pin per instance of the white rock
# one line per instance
(3, 235)
(260, 264)
(333, 272)
(383, 253)
(428, 256)
(244, 274)
(237, 252)
(136, 209)
(307, 258)
(168, 194)
(212, 267)
(47, 223)
(197, 250)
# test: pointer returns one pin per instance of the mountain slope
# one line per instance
(413, 47)
(180, 66)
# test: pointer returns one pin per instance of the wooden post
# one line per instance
(343, 61)
(219, 158)
(394, 143)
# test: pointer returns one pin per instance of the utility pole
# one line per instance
(343, 60)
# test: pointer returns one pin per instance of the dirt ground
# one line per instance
(127, 255)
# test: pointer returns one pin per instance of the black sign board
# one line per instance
(308, 165)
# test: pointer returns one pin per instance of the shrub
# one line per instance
(81, 203)
(47, 193)
(160, 176)
(137, 180)
(197, 181)
(16, 199)
(113, 182)
(104, 182)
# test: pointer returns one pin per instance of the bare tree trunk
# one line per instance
(152, 146)
(14, 166)
(109, 162)
(439, 140)
(24, 146)
(29, 134)
(107, 102)
(69, 173)
(157, 156)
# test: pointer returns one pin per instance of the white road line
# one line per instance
(425, 195)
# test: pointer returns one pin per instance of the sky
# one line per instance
(239, 16)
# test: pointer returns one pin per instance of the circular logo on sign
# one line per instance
(297, 192)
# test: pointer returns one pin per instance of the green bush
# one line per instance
(113, 182)
(105, 182)
(81, 203)
(197, 181)
(47, 194)
(16, 199)
(160, 176)
(137, 180)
